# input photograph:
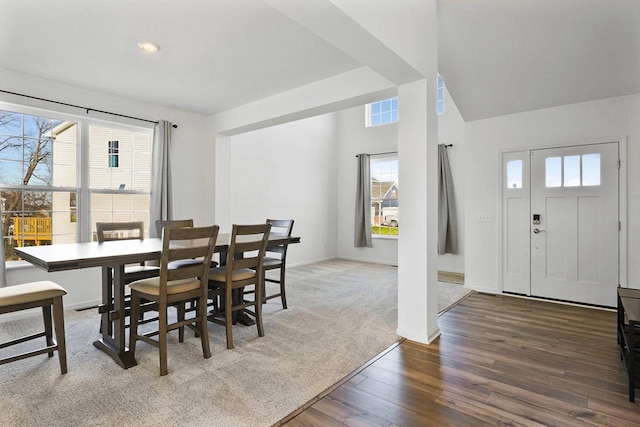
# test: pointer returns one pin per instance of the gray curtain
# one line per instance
(3, 271)
(447, 223)
(363, 203)
(161, 205)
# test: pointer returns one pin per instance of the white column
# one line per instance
(417, 243)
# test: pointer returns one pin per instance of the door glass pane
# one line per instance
(514, 174)
(591, 169)
(572, 171)
(553, 171)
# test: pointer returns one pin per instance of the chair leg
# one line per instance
(258, 306)
(228, 317)
(181, 311)
(283, 295)
(162, 338)
(48, 330)
(202, 326)
(58, 317)
(133, 326)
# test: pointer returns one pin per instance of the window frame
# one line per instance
(369, 112)
(373, 200)
(83, 189)
(440, 95)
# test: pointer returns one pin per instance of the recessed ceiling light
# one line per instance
(148, 47)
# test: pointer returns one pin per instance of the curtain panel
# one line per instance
(363, 204)
(447, 223)
(161, 203)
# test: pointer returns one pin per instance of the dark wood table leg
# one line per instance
(122, 358)
(113, 318)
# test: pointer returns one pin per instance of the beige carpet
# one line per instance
(449, 294)
(341, 314)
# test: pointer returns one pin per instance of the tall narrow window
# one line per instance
(514, 174)
(384, 196)
(114, 147)
(440, 103)
(381, 112)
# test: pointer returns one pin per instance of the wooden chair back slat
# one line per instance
(173, 223)
(280, 226)
(247, 239)
(180, 244)
(108, 231)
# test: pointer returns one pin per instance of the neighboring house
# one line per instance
(384, 197)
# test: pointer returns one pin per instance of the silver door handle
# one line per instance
(537, 230)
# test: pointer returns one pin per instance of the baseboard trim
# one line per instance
(369, 261)
(450, 277)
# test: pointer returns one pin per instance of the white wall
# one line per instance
(192, 157)
(608, 118)
(355, 138)
(451, 130)
(289, 171)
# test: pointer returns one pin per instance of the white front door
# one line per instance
(575, 223)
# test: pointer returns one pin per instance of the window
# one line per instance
(384, 196)
(440, 103)
(514, 174)
(41, 193)
(121, 192)
(113, 153)
(573, 171)
(381, 112)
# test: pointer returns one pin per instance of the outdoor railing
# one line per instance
(36, 230)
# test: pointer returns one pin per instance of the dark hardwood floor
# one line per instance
(499, 361)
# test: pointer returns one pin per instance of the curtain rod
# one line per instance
(395, 152)
(87, 109)
(380, 154)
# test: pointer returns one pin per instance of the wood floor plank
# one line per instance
(620, 408)
(547, 417)
(348, 415)
(481, 410)
(499, 360)
(314, 417)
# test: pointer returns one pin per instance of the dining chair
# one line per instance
(161, 223)
(276, 258)
(43, 294)
(243, 268)
(175, 287)
(109, 231)
(182, 223)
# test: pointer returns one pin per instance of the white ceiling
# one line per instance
(215, 55)
(500, 57)
(497, 56)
